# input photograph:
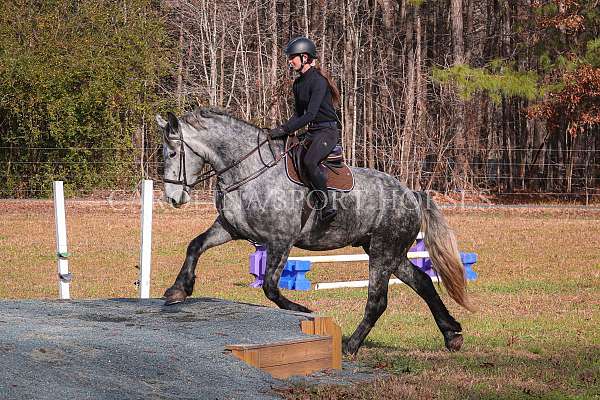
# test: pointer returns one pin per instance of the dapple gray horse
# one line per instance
(257, 202)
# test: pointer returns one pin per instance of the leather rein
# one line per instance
(182, 176)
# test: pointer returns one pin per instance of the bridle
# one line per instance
(182, 176)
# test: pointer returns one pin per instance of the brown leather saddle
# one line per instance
(339, 175)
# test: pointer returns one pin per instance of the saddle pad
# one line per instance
(339, 176)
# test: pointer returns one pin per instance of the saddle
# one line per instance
(339, 176)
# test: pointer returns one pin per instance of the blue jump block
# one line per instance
(468, 259)
(293, 276)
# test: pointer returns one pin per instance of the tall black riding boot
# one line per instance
(328, 211)
(325, 206)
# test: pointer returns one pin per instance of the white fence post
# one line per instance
(64, 277)
(146, 239)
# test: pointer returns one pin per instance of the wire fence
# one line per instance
(560, 174)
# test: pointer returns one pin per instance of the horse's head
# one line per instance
(181, 165)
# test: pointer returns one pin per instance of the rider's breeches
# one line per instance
(323, 141)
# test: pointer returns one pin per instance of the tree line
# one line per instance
(491, 95)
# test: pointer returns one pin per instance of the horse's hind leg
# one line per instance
(276, 258)
(380, 270)
(184, 284)
(421, 283)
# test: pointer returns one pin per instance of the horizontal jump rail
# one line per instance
(356, 284)
(351, 257)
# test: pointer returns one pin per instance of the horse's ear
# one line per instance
(173, 121)
(161, 122)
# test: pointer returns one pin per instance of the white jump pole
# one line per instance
(64, 277)
(356, 257)
(357, 284)
(146, 239)
(351, 257)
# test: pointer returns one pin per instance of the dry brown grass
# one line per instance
(535, 334)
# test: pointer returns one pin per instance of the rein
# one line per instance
(215, 172)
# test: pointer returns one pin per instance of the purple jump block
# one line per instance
(467, 259)
(419, 262)
(258, 265)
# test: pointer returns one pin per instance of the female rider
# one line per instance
(314, 97)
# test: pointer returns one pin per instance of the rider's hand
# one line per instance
(277, 133)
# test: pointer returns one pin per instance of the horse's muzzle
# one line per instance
(177, 198)
(172, 202)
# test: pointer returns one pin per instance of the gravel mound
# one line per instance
(140, 349)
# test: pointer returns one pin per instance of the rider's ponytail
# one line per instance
(335, 93)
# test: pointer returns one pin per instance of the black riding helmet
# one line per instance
(301, 45)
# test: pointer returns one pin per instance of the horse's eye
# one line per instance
(172, 154)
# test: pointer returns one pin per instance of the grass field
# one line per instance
(536, 333)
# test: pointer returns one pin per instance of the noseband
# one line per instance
(182, 176)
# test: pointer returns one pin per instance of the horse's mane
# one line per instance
(194, 117)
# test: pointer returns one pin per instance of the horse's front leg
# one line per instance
(184, 284)
(276, 258)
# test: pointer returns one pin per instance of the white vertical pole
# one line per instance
(146, 240)
(64, 277)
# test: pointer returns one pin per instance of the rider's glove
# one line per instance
(277, 133)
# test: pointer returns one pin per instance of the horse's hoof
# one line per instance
(170, 302)
(349, 351)
(174, 296)
(171, 291)
(345, 349)
(455, 343)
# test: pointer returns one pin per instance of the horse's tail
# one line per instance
(443, 250)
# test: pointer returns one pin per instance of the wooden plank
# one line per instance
(239, 353)
(248, 346)
(298, 356)
(252, 357)
(308, 327)
(295, 352)
(283, 353)
(330, 328)
(300, 368)
(325, 326)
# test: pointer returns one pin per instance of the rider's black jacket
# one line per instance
(313, 103)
